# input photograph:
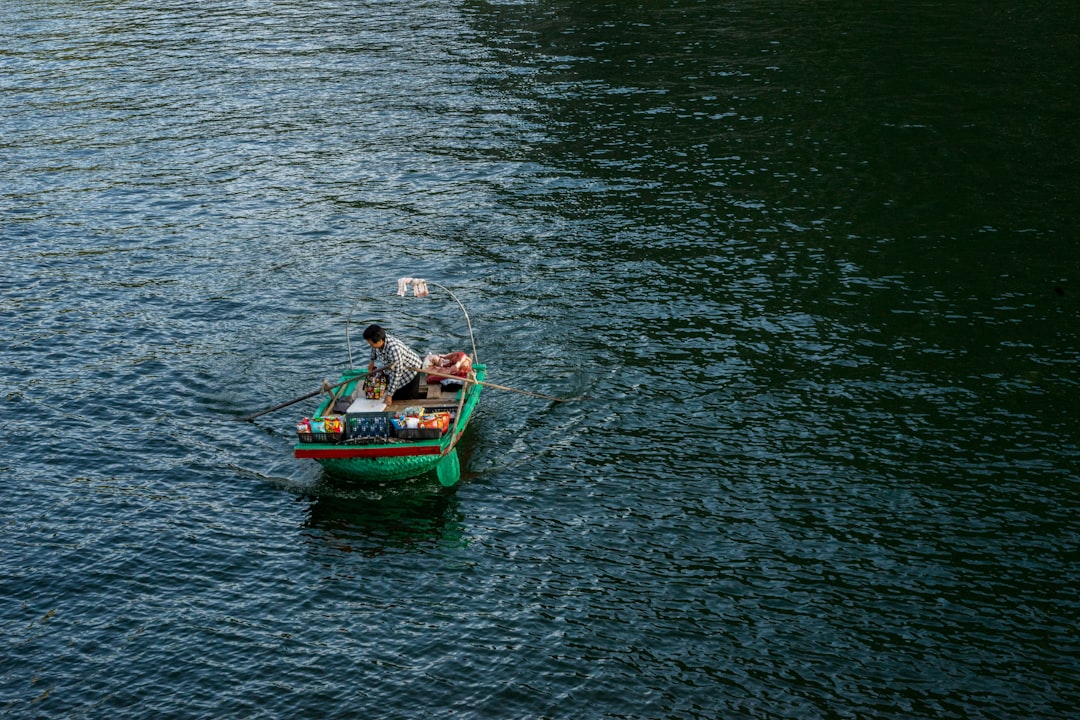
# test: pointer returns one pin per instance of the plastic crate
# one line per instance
(322, 430)
(375, 424)
(420, 433)
(322, 437)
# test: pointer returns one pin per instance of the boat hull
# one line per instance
(380, 469)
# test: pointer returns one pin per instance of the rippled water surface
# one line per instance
(811, 268)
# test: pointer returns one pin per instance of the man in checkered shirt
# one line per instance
(397, 358)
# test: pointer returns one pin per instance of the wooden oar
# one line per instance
(321, 390)
(491, 385)
(286, 404)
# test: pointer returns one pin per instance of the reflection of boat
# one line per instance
(371, 520)
(356, 437)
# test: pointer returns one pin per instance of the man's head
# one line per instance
(375, 336)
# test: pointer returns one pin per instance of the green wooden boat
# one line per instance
(366, 443)
(363, 454)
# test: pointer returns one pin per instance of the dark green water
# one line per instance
(812, 265)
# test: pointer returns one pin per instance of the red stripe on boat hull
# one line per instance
(344, 453)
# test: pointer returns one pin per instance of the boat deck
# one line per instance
(433, 396)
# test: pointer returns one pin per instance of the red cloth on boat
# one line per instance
(457, 363)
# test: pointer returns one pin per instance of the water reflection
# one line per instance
(376, 519)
